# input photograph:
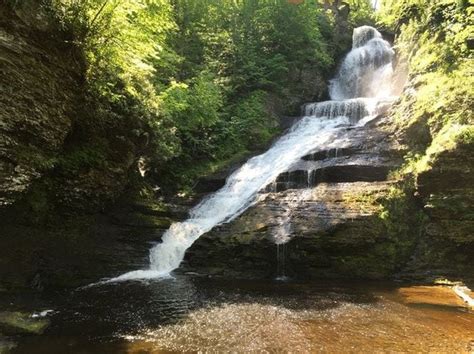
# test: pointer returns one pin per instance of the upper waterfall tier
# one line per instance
(354, 109)
(364, 34)
(367, 69)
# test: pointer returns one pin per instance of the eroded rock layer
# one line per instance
(326, 207)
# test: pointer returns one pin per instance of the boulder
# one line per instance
(19, 323)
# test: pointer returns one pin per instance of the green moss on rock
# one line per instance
(12, 323)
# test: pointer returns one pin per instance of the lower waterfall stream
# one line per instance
(361, 89)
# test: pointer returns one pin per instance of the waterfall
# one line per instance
(362, 82)
(354, 109)
(367, 69)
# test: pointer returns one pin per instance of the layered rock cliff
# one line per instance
(326, 210)
(40, 84)
(347, 212)
(51, 136)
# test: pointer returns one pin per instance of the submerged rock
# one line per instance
(13, 323)
(6, 345)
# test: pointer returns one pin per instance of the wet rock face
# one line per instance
(326, 205)
(38, 83)
(77, 250)
(332, 227)
(364, 156)
(447, 198)
(330, 205)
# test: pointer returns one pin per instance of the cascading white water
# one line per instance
(367, 69)
(354, 109)
(365, 73)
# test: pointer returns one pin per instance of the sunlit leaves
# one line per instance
(196, 76)
(433, 39)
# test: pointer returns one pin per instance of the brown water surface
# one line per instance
(190, 314)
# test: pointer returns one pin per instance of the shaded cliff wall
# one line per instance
(435, 120)
(41, 80)
(75, 150)
(64, 156)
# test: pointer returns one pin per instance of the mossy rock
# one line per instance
(19, 323)
(6, 345)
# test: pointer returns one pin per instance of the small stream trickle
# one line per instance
(281, 262)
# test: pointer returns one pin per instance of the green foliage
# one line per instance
(435, 116)
(194, 109)
(230, 58)
(118, 37)
(123, 44)
(437, 106)
(81, 158)
(449, 138)
(361, 13)
(250, 45)
(402, 219)
(250, 124)
(196, 81)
